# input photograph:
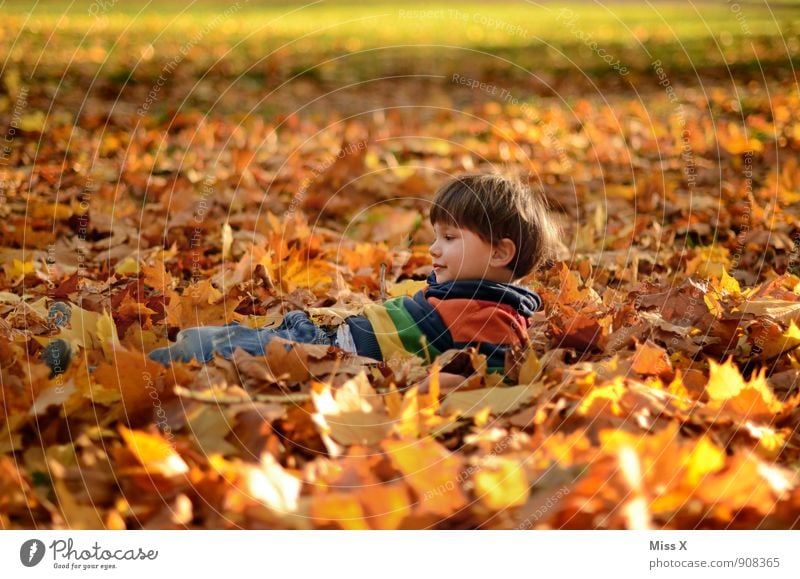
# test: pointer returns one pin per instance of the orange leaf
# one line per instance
(130, 378)
(745, 400)
(651, 360)
(340, 508)
(157, 277)
(387, 504)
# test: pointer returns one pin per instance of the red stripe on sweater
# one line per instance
(481, 321)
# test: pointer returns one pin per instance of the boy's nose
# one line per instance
(433, 249)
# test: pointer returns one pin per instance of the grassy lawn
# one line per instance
(546, 36)
(376, 23)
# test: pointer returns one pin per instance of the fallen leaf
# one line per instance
(431, 471)
(154, 453)
(499, 400)
(501, 483)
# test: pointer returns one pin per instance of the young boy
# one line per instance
(490, 231)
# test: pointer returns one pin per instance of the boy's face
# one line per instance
(460, 254)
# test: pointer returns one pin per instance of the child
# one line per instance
(490, 231)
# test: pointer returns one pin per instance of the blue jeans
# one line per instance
(204, 341)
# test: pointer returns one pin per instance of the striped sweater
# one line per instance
(491, 316)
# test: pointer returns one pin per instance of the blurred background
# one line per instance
(143, 98)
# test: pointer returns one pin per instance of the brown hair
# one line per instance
(494, 207)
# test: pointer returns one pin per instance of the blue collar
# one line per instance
(523, 300)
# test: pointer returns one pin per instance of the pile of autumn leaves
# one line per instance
(625, 436)
(657, 392)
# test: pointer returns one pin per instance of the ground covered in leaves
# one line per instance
(660, 388)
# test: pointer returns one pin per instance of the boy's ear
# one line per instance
(503, 252)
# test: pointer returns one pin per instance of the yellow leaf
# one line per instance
(709, 261)
(142, 340)
(329, 315)
(203, 293)
(348, 428)
(11, 80)
(82, 328)
(154, 453)
(19, 268)
(417, 414)
(394, 402)
(530, 368)
(109, 144)
(672, 467)
(33, 122)
(107, 334)
(432, 471)
(127, 266)
(407, 287)
(729, 284)
(704, 458)
(52, 211)
(570, 292)
(770, 441)
(620, 191)
(713, 305)
(604, 399)
(407, 425)
(500, 483)
(736, 142)
(431, 399)
(772, 346)
(298, 272)
(481, 418)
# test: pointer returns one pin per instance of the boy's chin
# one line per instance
(441, 276)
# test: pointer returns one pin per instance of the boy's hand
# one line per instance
(447, 383)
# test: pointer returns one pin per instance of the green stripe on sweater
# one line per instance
(408, 330)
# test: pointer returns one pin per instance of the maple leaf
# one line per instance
(157, 277)
(728, 392)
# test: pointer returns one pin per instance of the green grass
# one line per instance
(269, 42)
(379, 23)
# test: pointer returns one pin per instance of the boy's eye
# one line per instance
(449, 237)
